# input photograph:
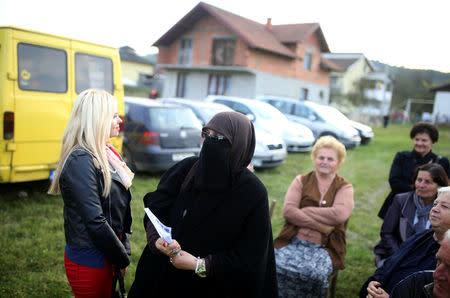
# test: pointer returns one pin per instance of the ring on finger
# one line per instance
(174, 252)
(170, 260)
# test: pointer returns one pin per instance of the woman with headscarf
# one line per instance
(218, 212)
(409, 212)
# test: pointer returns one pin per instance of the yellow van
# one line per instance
(40, 77)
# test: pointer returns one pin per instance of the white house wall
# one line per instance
(441, 106)
(270, 84)
(354, 73)
(241, 84)
(246, 85)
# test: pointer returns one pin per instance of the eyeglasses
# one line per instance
(210, 135)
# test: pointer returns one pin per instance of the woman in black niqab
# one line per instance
(223, 160)
(218, 211)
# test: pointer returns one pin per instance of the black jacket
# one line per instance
(398, 225)
(91, 220)
(233, 228)
(417, 285)
(402, 171)
(417, 253)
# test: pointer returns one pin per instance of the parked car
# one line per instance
(270, 150)
(322, 120)
(157, 135)
(202, 109)
(298, 138)
(365, 131)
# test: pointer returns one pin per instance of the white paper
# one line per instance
(164, 232)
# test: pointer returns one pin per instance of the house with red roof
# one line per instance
(213, 51)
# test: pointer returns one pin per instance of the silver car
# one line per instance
(298, 138)
(365, 132)
(322, 120)
(270, 151)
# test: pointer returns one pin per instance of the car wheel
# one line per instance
(127, 157)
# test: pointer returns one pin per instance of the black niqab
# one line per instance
(221, 161)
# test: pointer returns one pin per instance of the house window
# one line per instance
(304, 94)
(185, 52)
(218, 84)
(333, 80)
(321, 94)
(307, 61)
(181, 84)
(223, 51)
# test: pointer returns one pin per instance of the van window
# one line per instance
(42, 68)
(93, 72)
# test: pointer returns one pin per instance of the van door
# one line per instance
(42, 104)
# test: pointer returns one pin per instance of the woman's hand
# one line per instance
(374, 290)
(169, 250)
(184, 261)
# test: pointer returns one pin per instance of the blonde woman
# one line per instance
(312, 242)
(94, 183)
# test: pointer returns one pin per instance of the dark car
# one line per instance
(157, 135)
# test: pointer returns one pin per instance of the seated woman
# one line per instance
(424, 136)
(312, 242)
(409, 211)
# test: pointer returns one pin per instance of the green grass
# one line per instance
(32, 234)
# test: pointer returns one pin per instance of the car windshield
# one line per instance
(266, 111)
(172, 118)
(333, 115)
(209, 111)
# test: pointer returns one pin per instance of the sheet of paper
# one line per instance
(164, 232)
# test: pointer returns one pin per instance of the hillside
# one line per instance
(412, 83)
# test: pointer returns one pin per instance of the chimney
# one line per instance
(269, 24)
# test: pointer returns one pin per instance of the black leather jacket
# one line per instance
(91, 220)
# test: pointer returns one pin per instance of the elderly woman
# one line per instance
(424, 136)
(218, 212)
(316, 207)
(409, 211)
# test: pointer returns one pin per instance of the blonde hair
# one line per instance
(88, 128)
(331, 143)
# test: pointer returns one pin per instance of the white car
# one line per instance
(365, 131)
(298, 138)
(270, 150)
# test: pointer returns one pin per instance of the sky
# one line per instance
(408, 33)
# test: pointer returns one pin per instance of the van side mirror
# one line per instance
(312, 117)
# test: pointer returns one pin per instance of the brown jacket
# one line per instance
(335, 242)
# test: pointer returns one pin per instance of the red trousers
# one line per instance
(87, 281)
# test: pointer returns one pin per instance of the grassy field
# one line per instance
(32, 234)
